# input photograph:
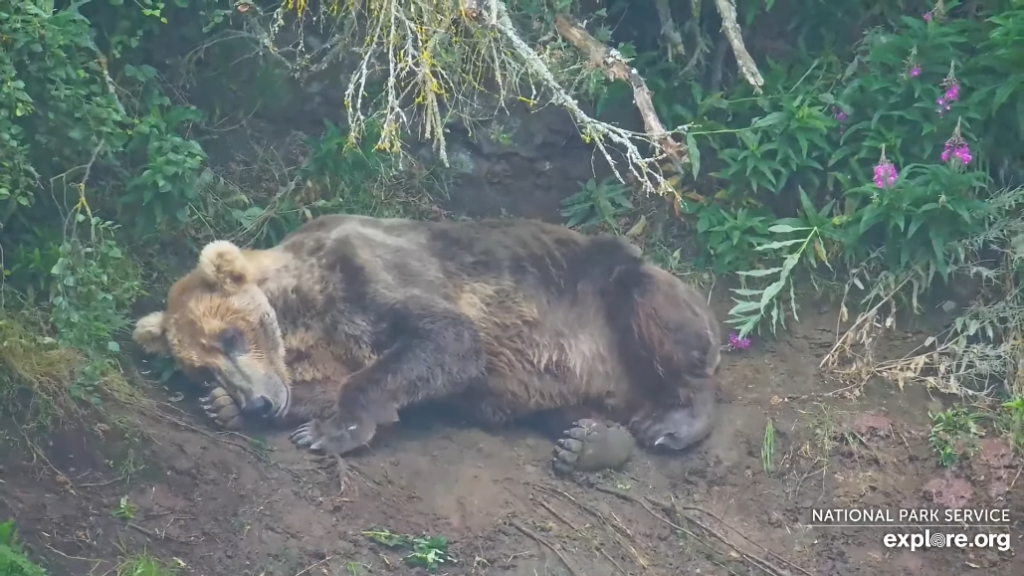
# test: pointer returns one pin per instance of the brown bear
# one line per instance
(350, 319)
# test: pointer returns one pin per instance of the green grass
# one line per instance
(13, 561)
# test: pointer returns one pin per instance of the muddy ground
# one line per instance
(223, 505)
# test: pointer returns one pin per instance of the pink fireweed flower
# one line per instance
(915, 71)
(963, 154)
(952, 94)
(956, 148)
(737, 343)
(951, 87)
(885, 173)
(927, 17)
(840, 117)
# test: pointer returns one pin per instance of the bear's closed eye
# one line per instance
(232, 340)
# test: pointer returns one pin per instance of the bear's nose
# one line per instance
(259, 406)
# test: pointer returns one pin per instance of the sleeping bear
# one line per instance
(350, 319)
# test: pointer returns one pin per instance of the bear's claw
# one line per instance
(220, 407)
(327, 436)
(591, 445)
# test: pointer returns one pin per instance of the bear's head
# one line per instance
(220, 327)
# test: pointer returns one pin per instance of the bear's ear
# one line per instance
(223, 264)
(149, 333)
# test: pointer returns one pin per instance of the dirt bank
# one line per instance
(224, 505)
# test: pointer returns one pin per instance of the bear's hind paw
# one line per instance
(590, 446)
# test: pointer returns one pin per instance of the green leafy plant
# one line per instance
(768, 448)
(597, 204)
(1011, 422)
(145, 565)
(125, 510)
(954, 434)
(13, 561)
(426, 552)
(747, 314)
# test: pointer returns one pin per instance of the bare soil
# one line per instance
(226, 506)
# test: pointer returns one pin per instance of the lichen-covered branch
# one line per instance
(432, 61)
(731, 29)
(594, 130)
(615, 67)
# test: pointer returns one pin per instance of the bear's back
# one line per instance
(543, 260)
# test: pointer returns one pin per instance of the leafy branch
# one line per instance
(748, 313)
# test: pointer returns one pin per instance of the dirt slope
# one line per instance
(225, 506)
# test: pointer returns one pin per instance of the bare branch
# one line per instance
(669, 31)
(615, 67)
(731, 29)
(593, 130)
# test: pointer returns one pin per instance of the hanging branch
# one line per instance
(615, 67)
(731, 29)
(495, 15)
(669, 31)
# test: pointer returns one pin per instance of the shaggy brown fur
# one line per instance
(350, 319)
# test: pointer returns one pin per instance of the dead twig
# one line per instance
(101, 484)
(542, 541)
(669, 507)
(622, 535)
(617, 527)
(95, 561)
(600, 549)
(156, 535)
(844, 341)
(757, 561)
(611, 560)
(313, 565)
(555, 513)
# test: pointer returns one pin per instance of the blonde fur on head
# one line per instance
(223, 264)
(149, 333)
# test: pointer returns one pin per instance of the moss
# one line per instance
(36, 373)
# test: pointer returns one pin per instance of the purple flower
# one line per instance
(885, 174)
(737, 343)
(927, 17)
(839, 115)
(952, 94)
(959, 150)
(915, 71)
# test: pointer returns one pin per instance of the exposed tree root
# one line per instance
(542, 541)
(760, 563)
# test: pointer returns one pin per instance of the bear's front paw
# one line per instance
(222, 409)
(591, 445)
(333, 436)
